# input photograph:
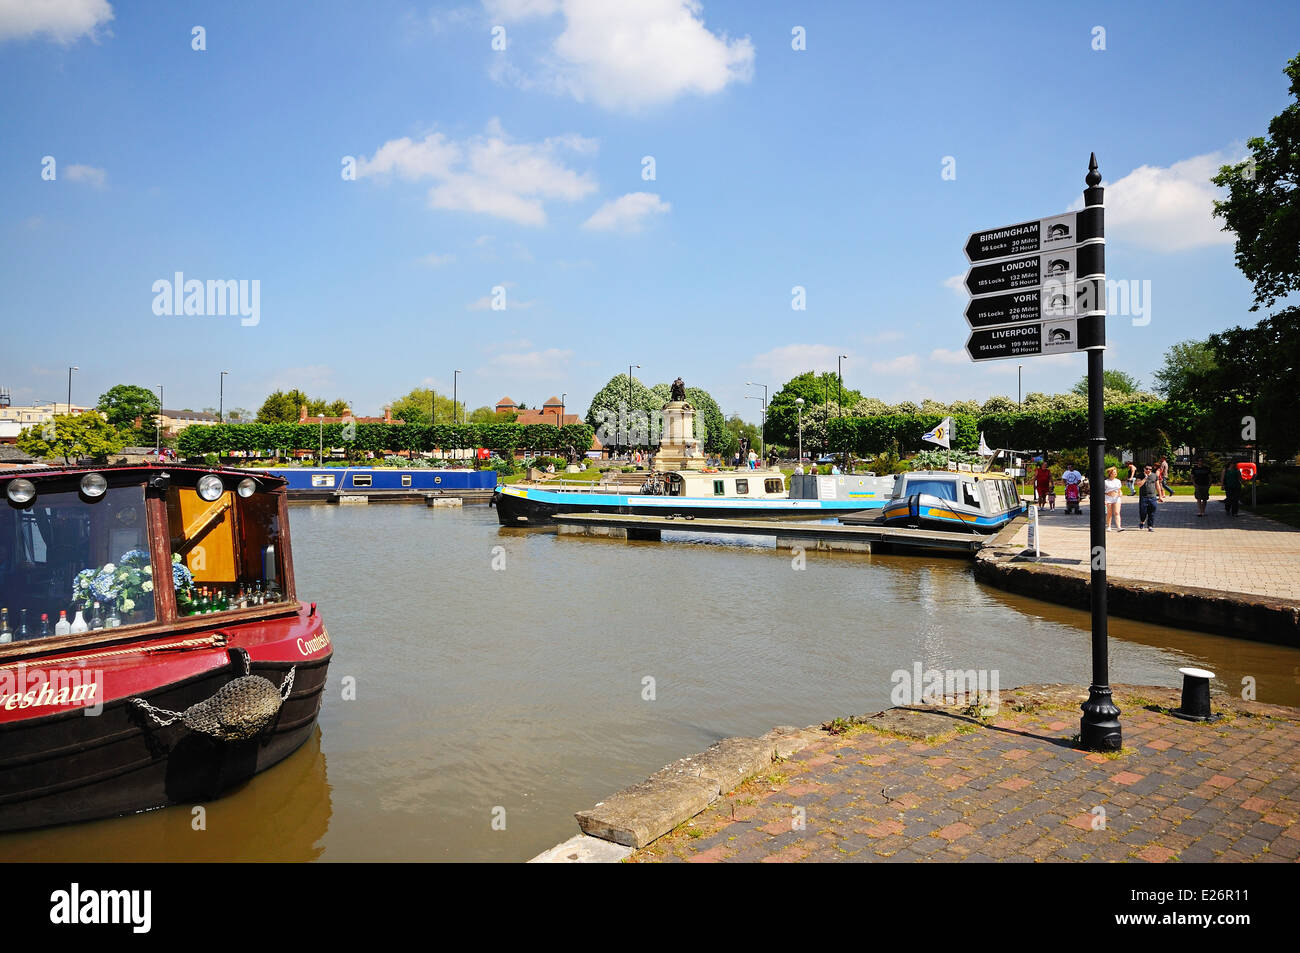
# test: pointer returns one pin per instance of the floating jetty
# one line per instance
(860, 537)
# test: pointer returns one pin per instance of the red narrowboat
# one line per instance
(153, 649)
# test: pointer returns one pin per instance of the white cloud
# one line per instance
(956, 283)
(783, 363)
(434, 260)
(96, 178)
(903, 364)
(943, 356)
(1168, 209)
(627, 213)
(487, 174)
(629, 54)
(545, 364)
(61, 20)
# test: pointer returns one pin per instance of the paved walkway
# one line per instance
(938, 784)
(1246, 553)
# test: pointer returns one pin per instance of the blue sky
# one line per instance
(522, 169)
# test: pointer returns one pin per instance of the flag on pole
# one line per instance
(985, 449)
(941, 433)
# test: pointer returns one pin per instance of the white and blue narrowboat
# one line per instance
(740, 494)
(948, 500)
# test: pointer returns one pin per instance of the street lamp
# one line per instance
(762, 436)
(1018, 405)
(798, 403)
(840, 400)
(559, 421)
(455, 380)
(321, 454)
(157, 423)
(628, 430)
(70, 370)
(221, 398)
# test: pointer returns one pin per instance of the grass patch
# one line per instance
(1288, 513)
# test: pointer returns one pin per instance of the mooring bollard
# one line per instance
(1196, 696)
(1033, 528)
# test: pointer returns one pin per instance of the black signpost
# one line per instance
(1040, 288)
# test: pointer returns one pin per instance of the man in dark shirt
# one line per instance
(1201, 485)
(1150, 493)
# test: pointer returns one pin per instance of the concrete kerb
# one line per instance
(646, 811)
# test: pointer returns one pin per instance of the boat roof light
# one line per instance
(21, 492)
(93, 485)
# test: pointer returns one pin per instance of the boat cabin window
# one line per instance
(970, 495)
(676, 485)
(943, 489)
(742, 487)
(322, 479)
(63, 552)
(230, 548)
(719, 488)
(773, 486)
(406, 479)
(361, 479)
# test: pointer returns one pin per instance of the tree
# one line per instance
(414, 407)
(1263, 203)
(1187, 365)
(621, 411)
(123, 404)
(816, 390)
(73, 436)
(737, 430)
(281, 407)
(1257, 367)
(1121, 381)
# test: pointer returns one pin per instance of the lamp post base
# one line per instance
(1099, 728)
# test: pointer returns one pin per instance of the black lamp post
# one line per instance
(221, 398)
(455, 381)
(70, 370)
(629, 405)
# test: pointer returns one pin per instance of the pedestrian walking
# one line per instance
(1132, 477)
(753, 459)
(1113, 498)
(1042, 483)
(1073, 478)
(1200, 485)
(1150, 495)
(1163, 471)
(1232, 488)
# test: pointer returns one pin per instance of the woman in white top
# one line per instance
(1112, 487)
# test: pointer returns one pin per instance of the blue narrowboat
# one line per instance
(943, 499)
(324, 481)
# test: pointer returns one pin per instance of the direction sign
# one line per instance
(1027, 340)
(1028, 271)
(1054, 233)
(1055, 299)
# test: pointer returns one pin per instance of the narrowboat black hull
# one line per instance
(74, 767)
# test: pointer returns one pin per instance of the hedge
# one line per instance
(380, 438)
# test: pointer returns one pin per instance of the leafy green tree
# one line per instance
(414, 407)
(123, 404)
(621, 411)
(1121, 381)
(1187, 364)
(489, 415)
(73, 436)
(738, 429)
(816, 390)
(1263, 203)
(281, 408)
(999, 404)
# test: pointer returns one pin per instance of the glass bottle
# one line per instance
(6, 633)
(45, 625)
(23, 632)
(79, 624)
(63, 626)
(258, 597)
(113, 620)
(96, 620)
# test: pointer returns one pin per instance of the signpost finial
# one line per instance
(1094, 177)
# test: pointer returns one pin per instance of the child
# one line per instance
(1051, 498)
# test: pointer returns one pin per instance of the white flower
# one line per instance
(147, 586)
(128, 605)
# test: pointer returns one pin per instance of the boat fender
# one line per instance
(240, 709)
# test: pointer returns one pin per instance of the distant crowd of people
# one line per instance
(1151, 488)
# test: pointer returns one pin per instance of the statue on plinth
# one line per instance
(678, 448)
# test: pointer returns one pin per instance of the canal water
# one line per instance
(506, 678)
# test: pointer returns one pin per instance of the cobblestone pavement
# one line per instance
(1246, 553)
(1014, 788)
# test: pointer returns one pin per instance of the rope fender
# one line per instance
(240, 709)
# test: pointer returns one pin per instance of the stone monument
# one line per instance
(678, 447)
